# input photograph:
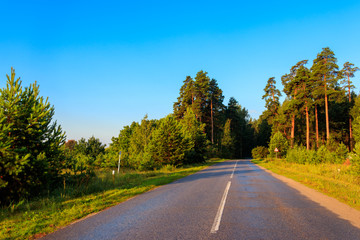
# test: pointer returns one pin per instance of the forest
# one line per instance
(318, 122)
(319, 118)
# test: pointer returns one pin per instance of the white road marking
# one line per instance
(232, 174)
(216, 224)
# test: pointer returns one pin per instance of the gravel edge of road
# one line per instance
(341, 209)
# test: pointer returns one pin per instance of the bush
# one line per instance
(259, 152)
(355, 159)
(299, 154)
(325, 156)
(341, 153)
(280, 142)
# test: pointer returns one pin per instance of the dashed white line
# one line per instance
(216, 224)
(232, 174)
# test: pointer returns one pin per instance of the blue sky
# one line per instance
(104, 64)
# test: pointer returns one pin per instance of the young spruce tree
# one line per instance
(30, 154)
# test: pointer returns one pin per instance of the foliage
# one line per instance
(227, 141)
(271, 97)
(30, 154)
(355, 113)
(193, 133)
(91, 148)
(259, 152)
(355, 159)
(204, 97)
(324, 154)
(167, 145)
(241, 129)
(280, 142)
(33, 219)
(336, 180)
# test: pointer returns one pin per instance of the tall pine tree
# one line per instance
(325, 74)
(348, 72)
(271, 97)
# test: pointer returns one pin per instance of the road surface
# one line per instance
(231, 200)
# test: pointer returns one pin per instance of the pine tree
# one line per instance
(202, 85)
(227, 141)
(216, 106)
(325, 74)
(167, 144)
(186, 98)
(348, 72)
(304, 96)
(271, 97)
(193, 133)
(239, 126)
(30, 142)
(290, 89)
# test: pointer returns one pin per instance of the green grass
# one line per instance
(335, 180)
(36, 218)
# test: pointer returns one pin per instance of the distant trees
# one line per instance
(271, 97)
(84, 155)
(154, 143)
(204, 97)
(348, 72)
(30, 141)
(317, 109)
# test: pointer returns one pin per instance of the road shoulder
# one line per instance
(342, 210)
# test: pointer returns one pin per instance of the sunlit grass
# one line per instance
(32, 219)
(335, 180)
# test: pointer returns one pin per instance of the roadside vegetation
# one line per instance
(316, 127)
(48, 181)
(336, 180)
(37, 217)
(315, 132)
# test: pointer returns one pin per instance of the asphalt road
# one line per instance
(231, 200)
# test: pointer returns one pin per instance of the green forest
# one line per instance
(319, 121)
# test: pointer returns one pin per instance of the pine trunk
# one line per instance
(212, 123)
(307, 128)
(316, 127)
(326, 114)
(293, 127)
(350, 127)
(292, 130)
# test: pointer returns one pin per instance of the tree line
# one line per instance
(35, 157)
(201, 126)
(319, 120)
(320, 111)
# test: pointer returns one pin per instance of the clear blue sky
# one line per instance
(104, 64)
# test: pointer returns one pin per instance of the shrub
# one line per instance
(355, 159)
(324, 155)
(299, 154)
(341, 153)
(280, 142)
(259, 152)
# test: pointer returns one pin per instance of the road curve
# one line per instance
(231, 200)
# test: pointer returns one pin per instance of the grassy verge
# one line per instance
(335, 180)
(38, 217)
